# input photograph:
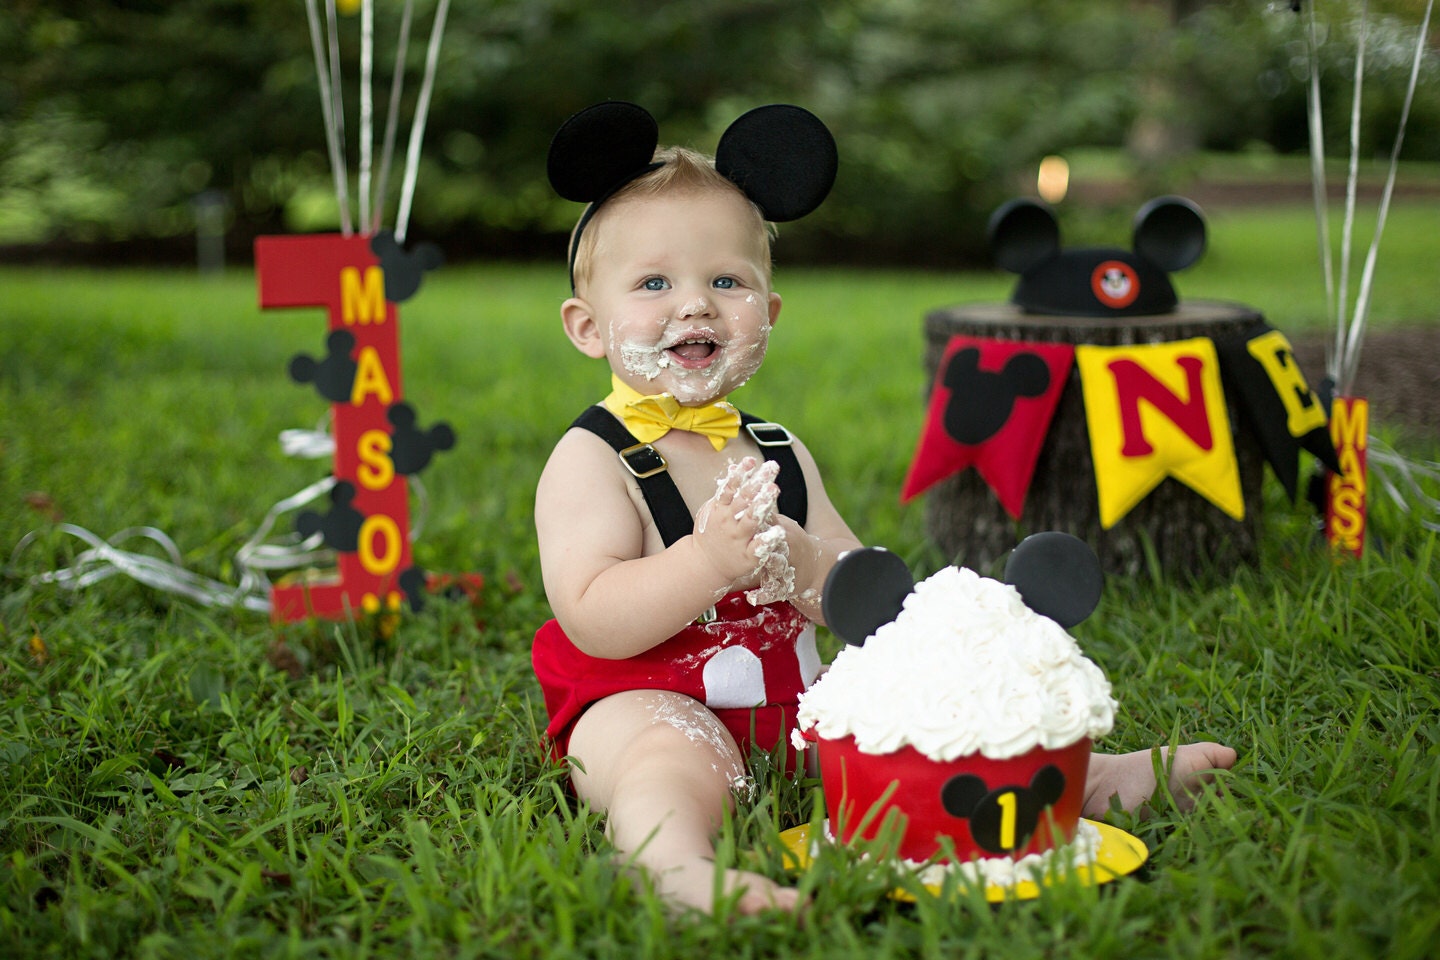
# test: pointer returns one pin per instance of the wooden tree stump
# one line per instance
(1190, 536)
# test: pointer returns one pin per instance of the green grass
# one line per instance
(167, 790)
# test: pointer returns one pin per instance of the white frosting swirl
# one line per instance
(965, 668)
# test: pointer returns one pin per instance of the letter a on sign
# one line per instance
(1157, 411)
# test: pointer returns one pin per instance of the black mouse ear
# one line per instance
(864, 590)
(1058, 576)
(600, 148)
(961, 794)
(1048, 784)
(1023, 233)
(1170, 232)
(780, 156)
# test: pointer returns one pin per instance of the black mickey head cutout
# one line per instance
(334, 375)
(403, 269)
(1169, 235)
(981, 401)
(341, 526)
(412, 584)
(412, 448)
(1003, 819)
(780, 156)
(1057, 575)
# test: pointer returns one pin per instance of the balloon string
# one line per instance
(105, 559)
(1351, 354)
(417, 126)
(367, 106)
(1317, 169)
(1352, 178)
(392, 116)
(1408, 472)
(337, 106)
(332, 139)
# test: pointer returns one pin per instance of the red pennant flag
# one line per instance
(990, 407)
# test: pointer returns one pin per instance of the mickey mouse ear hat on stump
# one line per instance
(1057, 575)
(782, 158)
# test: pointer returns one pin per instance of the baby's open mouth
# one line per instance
(691, 352)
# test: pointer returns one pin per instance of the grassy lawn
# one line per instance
(177, 780)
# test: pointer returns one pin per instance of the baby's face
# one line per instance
(680, 293)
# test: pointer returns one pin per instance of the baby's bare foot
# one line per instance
(1130, 777)
(692, 884)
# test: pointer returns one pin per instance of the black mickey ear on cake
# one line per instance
(1170, 232)
(962, 793)
(600, 149)
(782, 157)
(1022, 233)
(865, 590)
(1048, 784)
(1058, 576)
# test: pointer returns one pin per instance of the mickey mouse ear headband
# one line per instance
(781, 157)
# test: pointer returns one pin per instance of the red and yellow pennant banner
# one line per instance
(1156, 411)
(990, 407)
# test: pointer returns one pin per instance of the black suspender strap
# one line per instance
(668, 509)
(777, 444)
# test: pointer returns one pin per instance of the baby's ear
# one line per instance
(580, 326)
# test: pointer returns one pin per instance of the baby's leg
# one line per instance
(661, 767)
(1131, 776)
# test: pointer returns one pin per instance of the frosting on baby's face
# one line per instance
(965, 668)
(680, 300)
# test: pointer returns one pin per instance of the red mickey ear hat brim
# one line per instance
(782, 157)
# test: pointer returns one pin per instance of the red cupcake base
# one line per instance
(987, 808)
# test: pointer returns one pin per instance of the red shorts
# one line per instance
(748, 666)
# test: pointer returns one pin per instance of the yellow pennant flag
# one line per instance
(1158, 410)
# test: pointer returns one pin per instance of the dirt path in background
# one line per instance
(1399, 374)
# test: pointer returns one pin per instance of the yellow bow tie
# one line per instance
(650, 418)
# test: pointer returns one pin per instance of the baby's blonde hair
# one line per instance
(681, 169)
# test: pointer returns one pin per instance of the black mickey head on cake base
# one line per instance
(1002, 819)
(1058, 576)
(782, 157)
(1169, 234)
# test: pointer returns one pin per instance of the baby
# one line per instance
(684, 545)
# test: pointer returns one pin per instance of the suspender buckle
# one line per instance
(769, 434)
(643, 460)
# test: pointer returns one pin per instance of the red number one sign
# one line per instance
(342, 275)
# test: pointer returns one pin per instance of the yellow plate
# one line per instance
(1119, 853)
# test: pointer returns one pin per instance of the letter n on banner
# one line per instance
(1156, 411)
(343, 275)
(1345, 489)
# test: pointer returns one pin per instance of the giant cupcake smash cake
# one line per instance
(971, 716)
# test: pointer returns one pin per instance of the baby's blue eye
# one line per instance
(656, 283)
(725, 283)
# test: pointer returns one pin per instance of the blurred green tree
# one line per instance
(116, 114)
